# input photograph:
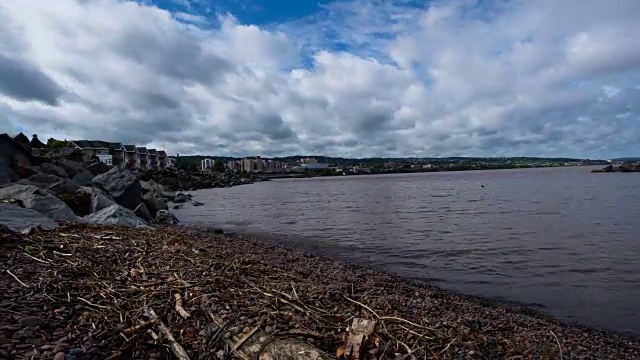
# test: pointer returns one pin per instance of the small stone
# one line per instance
(227, 335)
(268, 329)
(59, 356)
(31, 321)
(311, 340)
(60, 348)
(202, 333)
(78, 307)
(246, 329)
(46, 347)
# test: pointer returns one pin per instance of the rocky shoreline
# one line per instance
(626, 167)
(78, 292)
(66, 190)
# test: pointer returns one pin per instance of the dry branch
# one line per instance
(176, 348)
(143, 326)
(179, 307)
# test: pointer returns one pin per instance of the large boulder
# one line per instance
(49, 168)
(166, 217)
(20, 219)
(72, 168)
(100, 201)
(39, 200)
(154, 204)
(64, 186)
(47, 179)
(98, 168)
(115, 215)
(24, 172)
(142, 212)
(182, 198)
(122, 185)
(84, 178)
(152, 188)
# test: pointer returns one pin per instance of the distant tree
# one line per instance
(218, 166)
(56, 144)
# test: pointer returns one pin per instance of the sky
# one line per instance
(356, 78)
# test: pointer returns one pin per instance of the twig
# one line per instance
(134, 329)
(558, 342)
(447, 347)
(114, 356)
(388, 317)
(62, 254)
(176, 348)
(179, 307)
(91, 304)
(244, 338)
(36, 259)
(18, 280)
(363, 305)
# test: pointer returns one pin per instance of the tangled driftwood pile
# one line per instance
(89, 292)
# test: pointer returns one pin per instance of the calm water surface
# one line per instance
(561, 238)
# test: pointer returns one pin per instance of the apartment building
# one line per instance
(117, 154)
(255, 164)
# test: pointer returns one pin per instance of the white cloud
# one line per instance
(363, 78)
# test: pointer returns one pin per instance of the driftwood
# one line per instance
(256, 344)
(176, 348)
(359, 331)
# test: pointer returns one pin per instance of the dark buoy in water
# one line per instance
(481, 186)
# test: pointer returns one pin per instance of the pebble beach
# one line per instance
(82, 291)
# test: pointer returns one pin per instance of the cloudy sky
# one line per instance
(341, 78)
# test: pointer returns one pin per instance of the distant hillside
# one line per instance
(341, 160)
(625, 159)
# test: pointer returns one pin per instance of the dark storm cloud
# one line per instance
(22, 81)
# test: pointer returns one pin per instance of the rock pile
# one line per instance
(186, 180)
(64, 190)
(626, 167)
(117, 197)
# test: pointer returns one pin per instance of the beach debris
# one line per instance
(109, 292)
(358, 333)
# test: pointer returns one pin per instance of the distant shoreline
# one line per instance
(313, 174)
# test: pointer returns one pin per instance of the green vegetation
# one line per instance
(56, 144)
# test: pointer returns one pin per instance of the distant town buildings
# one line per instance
(130, 156)
(255, 164)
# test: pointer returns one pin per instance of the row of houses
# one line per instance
(113, 153)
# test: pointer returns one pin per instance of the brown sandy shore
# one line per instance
(76, 292)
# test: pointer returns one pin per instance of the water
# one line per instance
(561, 238)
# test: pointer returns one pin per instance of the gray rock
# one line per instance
(98, 168)
(166, 217)
(100, 201)
(72, 168)
(30, 321)
(115, 215)
(65, 186)
(171, 196)
(181, 198)
(84, 178)
(122, 185)
(152, 188)
(142, 212)
(44, 178)
(52, 169)
(197, 203)
(20, 219)
(154, 204)
(40, 201)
